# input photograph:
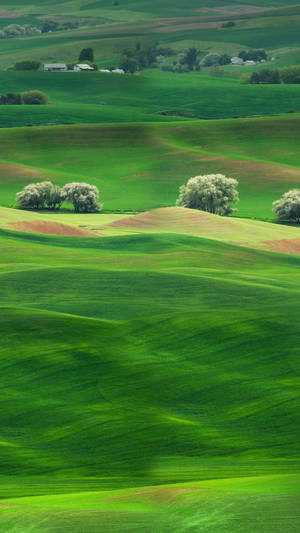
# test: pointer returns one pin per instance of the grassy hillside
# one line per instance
(139, 166)
(225, 504)
(108, 364)
(110, 29)
(149, 354)
(169, 379)
(103, 98)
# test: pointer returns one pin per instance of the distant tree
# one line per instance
(288, 207)
(224, 59)
(129, 64)
(190, 58)
(11, 99)
(50, 25)
(290, 74)
(265, 76)
(83, 196)
(211, 59)
(213, 193)
(27, 64)
(253, 55)
(39, 195)
(228, 24)
(86, 54)
(14, 30)
(35, 98)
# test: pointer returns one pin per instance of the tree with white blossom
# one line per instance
(83, 196)
(288, 207)
(212, 192)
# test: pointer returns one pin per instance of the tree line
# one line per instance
(288, 75)
(26, 98)
(214, 193)
(46, 195)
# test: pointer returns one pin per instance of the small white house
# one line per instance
(118, 71)
(82, 67)
(55, 67)
(104, 70)
(237, 61)
(250, 63)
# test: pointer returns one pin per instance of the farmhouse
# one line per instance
(118, 71)
(237, 61)
(82, 67)
(56, 67)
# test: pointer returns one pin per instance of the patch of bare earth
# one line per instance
(238, 9)
(283, 246)
(186, 26)
(10, 172)
(157, 495)
(51, 228)
(9, 14)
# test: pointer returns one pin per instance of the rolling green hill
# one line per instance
(112, 376)
(149, 354)
(141, 166)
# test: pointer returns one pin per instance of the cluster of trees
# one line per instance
(142, 56)
(212, 59)
(26, 98)
(16, 30)
(215, 193)
(27, 64)
(253, 55)
(51, 26)
(83, 196)
(265, 76)
(188, 61)
(284, 75)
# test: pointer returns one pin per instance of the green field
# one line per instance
(149, 354)
(141, 166)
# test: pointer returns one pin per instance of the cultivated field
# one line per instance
(149, 354)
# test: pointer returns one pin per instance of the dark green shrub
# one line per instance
(28, 64)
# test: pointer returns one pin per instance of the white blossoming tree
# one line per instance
(40, 195)
(83, 196)
(288, 207)
(212, 192)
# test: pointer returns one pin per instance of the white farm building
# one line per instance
(55, 67)
(82, 67)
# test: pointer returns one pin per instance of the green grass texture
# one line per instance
(141, 360)
(103, 98)
(141, 166)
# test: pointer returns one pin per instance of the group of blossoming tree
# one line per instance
(213, 193)
(83, 196)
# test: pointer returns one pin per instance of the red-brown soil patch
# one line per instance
(159, 495)
(9, 14)
(283, 246)
(10, 172)
(51, 228)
